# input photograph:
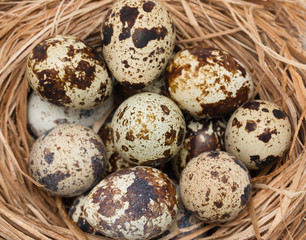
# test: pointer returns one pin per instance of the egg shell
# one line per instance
(208, 82)
(137, 41)
(114, 161)
(76, 214)
(134, 203)
(65, 71)
(215, 186)
(258, 133)
(67, 160)
(148, 129)
(43, 115)
(202, 135)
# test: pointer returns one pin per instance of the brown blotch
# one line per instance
(40, 51)
(166, 153)
(134, 86)
(170, 137)
(224, 179)
(251, 105)
(48, 155)
(128, 16)
(142, 36)
(165, 109)
(129, 136)
(245, 197)
(214, 174)
(97, 166)
(126, 64)
(266, 135)
(107, 33)
(250, 126)
(218, 203)
(207, 195)
(254, 158)
(148, 6)
(51, 181)
(180, 137)
(235, 122)
(122, 112)
(267, 161)
(124, 148)
(279, 114)
(265, 110)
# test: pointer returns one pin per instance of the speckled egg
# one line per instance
(67, 160)
(65, 71)
(134, 203)
(148, 129)
(43, 115)
(258, 133)
(137, 41)
(114, 161)
(215, 186)
(208, 82)
(76, 213)
(202, 135)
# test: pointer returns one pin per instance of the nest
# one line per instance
(269, 37)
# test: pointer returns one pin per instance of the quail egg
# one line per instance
(202, 135)
(134, 203)
(137, 41)
(67, 160)
(43, 115)
(148, 129)
(65, 71)
(215, 186)
(258, 133)
(208, 82)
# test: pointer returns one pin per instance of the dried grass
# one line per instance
(267, 36)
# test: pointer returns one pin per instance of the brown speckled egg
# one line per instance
(258, 133)
(134, 203)
(76, 213)
(137, 41)
(202, 135)
(215, 186)
(65, 71)
(148, 129)
(114, 161)
(67, 160)
(208, 82)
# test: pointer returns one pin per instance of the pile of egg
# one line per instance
(180, 143)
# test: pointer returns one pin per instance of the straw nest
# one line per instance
(269, 37)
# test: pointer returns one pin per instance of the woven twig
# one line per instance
(267, 36)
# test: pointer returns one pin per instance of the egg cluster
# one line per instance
(181, 135)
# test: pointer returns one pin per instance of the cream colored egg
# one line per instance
(137, 41)
(208, 82)
(43, 115)
(135, 203)
(148, 129)
(65, 71)
(67, 160)
(258, 133)
(215, 186)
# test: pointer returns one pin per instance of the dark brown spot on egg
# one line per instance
(235, 122)
(251, 105)
(180, 137)
(207, 195)
(135, 86)
(50, 181)
(266, 135)
(267, 161)
(279, 114)
(107, 33)
(250, 126)
(125, 63)
(97, 165)
(254, 158)
(84, 225)
(142, 36)
(128, 16)
(122, 112)
(148, 6)
(40, 51)
(170, 137)
(218, 203)
(124, 148)
(98, 145)
(165, 109)
(48, 155)
(215, 174)
(245, 197)
(264, 110)
(166, 153)
(129, 136)
(224, 179)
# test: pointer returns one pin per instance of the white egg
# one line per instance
(148, 129)
(67, 160)
(258, 133)
(208, 82)
(136, 203)
(43, 115)
(65, 71)
(137, 41)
